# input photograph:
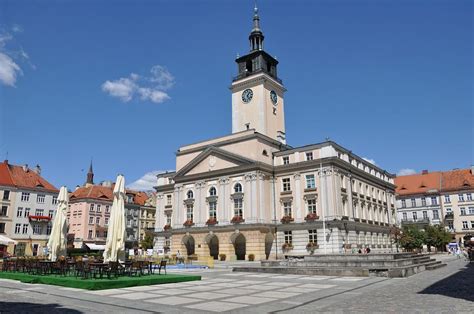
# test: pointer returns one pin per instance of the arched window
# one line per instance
(238, 188)
(190, 194)
(212, 191)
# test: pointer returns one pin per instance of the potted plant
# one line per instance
(237, 219)
(286, 246)
(311, 247)
(251, 257)
(286, 219)
(211, 221)
(222, 257)
(311, 217)
(167, 227)
(188, 223)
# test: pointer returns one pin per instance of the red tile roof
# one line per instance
(12, 175)
(105, 193)
(422, 183)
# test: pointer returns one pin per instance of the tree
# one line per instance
(436, 236)
(396, 235)
(412, 238)
(147, 242)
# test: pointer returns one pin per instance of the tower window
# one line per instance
(248, 66)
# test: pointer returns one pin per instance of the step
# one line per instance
(309, 271)
(435, 266)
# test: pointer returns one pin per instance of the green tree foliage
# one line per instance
(436, 236)
(412, 238)
(147, 242)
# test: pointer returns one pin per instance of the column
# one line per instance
(160, 214)
(254, 197)
(297, 213)
(261, 217)
(247, 198)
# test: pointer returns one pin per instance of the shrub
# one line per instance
(222, 257)
(251, 257)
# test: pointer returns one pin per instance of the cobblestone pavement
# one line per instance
(444, 290)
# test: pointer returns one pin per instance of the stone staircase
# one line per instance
(361, 265)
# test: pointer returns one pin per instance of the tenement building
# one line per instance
(444, 197)
(89, 213)
(28, 205)
(251, 193)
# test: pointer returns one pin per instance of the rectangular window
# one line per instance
(434, 200)
(97, 220)
(472, 224)
(2, 227)
(423, 201)
(286, 160)
(405, 216)
(469, 197)
(168, 199)
(36, 229)
(39, 212)
(435, 214)
(312, 236)
(107, 208)
(446, 199)
(25, 229)
(415, 216)
(450, 225)
(51, 213)
(463, 211)
(461, 197)
(106, 221)
(17, 228)
(312, 206)
(212, 210)
(3, 211)
(288, 237)
(413, 202)
(55, 200)
(309, 155)
(91, 208)
(471, 210)
(98, 208)
(90, 234)
(287, 209)
(48, 229)
(404, 203)
(6, 195)
(27, 212)
(40, 198)
(238, 207)
(97, 234)
(168, 219)
(105, 234)
(189, 212)
(286, 184)
(310, 183)
(425, 214)
(91, 220)
(464, 225)
(25, 196)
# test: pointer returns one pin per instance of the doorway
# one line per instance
(240, 247)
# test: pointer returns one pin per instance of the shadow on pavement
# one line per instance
(25, 307)
(459, 285)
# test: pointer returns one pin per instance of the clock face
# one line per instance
(247, 95)
(274, 97)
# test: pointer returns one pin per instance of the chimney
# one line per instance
(37, 170)
(5, 161)
(424, 171)
(25, 167)
(472, 170)
(77, 186)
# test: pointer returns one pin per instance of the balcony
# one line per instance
(421, 221)
(449, 216)
(34, 218)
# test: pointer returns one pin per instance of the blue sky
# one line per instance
(128, 82)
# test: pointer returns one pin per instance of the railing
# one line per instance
(416, 221)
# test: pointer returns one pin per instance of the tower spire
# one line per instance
(90, 175)
(256, 35)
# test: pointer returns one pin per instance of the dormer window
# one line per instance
(238, 188)
(309, 155)
(286, 160)
(190, 194)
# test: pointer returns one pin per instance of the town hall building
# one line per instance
(250, 192)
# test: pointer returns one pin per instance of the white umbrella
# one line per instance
(6, 240)
(115, 245)
(57, 239)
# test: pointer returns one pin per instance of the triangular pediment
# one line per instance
(212, 159)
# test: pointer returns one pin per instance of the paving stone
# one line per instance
(249, 299)
(316, 286)
(107, 291)
(260, 287)
(208, 295)
(277, 294)
(298, 290)
(233, 291)
(202, 288)
(174, 300)
(170, 291)
(281, 283)
(227, 285)
(136, 296)
(216, 306)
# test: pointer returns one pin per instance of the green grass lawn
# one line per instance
(98, 284)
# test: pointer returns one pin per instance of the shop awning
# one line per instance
(6, 240)
(95, 247)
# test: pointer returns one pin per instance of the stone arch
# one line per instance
(189, 243)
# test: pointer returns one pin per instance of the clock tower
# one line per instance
(257, 92)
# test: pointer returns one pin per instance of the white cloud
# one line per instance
(9, 70)
(9, 64)
(369, 160)
(146, 182)
(17, 28)
(406, 172)
(147, 88)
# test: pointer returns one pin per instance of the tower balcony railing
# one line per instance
(249, 73)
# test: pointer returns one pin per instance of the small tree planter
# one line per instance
(286, 219)
(167, 227)
(286, 247)
(237, 220)
(311, 217)
(188, 223)
(211, 222)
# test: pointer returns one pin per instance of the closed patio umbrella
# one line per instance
(57, 239)
(115, 244)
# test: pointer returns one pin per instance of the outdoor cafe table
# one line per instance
(100, 267)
